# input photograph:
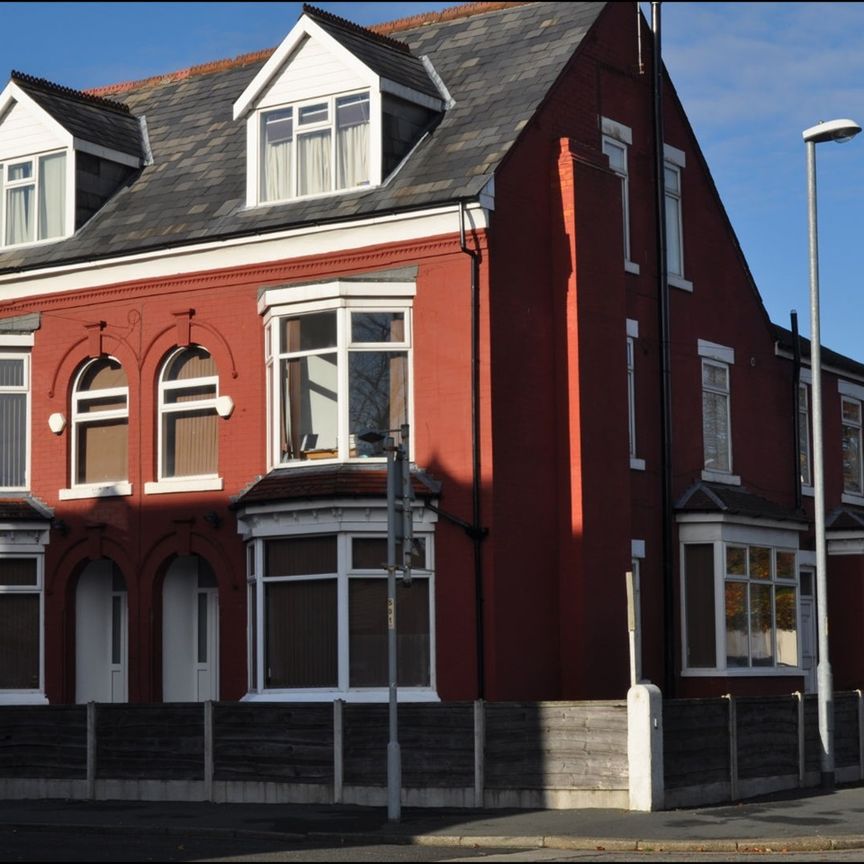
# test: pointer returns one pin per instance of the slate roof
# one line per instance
(498, 66)
(93, 119)
(328, 481)
(704, 497)
(829, 358)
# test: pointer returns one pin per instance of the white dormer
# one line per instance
(39, 163)
(315, 112)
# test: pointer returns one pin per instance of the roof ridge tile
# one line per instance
(87, 96)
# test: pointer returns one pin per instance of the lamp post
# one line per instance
(833, 130)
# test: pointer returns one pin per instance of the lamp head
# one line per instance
(832, 130)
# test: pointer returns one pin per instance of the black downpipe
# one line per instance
(665, 365)
(477, 532)
(796, 405)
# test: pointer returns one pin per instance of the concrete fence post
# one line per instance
(208, 750)
(645, 747)
(338, 750)
(479, 753)
(860, 735)
(733, 747)
(802, 754)
(91, 750)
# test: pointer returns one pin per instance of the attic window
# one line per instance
(326, 150)
(33, 200)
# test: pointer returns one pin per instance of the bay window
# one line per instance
(21, 627)
(33, 200)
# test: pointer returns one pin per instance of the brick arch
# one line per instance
(79, 352)
(176, 336)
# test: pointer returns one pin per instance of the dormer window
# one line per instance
(327, 151)
(33, 205)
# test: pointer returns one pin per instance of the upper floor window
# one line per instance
(336, 373)
(632, 335)
(315, 148)
(188, 430)
(616, 142)
(100, 424)
(33, 199)
(804, 435)
(716, 367)
(673, 172)
(853, 481)
(14, 420)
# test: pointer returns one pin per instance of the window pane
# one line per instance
(277, 162)
(716, 377)
(715, 431)
(253, 635)
(17, 571)
(787, 626)
(699, 598)
(13, 439)
(308, 332)
(301, 556)
(310, 418)
(176, 395)
(370, 553)
(378, 394)
(377, 327)
(313, 113)
(190, 443)
(761, 627)
(671, 179)
(617, 156)
(851, 459)
(786, 565)
(103, 375)
(300, 639)
(103, 403)
(736, 561)
(352, 141)
(19, 642)
(52, 196)
(11, 372)
(804, 438)
(103, 453)
(368, 633)
(20, 223)
(760, 562)
(673, 236)
(736, 624)
(194, 362)
(313, 163)
(852, 411)
(20, 171)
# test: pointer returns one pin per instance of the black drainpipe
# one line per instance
(796, 406)
(665, 366)
(476, 531)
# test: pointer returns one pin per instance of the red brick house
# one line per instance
(212, 282)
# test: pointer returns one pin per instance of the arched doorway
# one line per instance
(190, 631)
(101, 634)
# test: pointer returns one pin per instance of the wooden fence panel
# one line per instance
(695, 742)
(767, 736)
(366, 731)
(150, 742)
(43, 741)
(812, 741)
(845, 730)
(273, 742)
(575, 745)
(437, 745)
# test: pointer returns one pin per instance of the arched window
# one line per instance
(100, 424)
(188, 431)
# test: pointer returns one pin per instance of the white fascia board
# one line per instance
(409, 94)
(305, 27)
(719, 518)
(312, 240)
(847, 388)
(14, 93)
(106, 153)
(806, 373)
(290, 294)
(713, 351)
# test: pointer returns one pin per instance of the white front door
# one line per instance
(101, 634)
(190, 638)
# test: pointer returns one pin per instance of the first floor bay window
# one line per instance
(318, 616)
(741, 600)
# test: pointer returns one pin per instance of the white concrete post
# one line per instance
(645, 746)
(479, 752)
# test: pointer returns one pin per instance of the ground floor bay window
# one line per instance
(741, 604)
(317, 602)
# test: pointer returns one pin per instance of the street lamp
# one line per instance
(832, 130)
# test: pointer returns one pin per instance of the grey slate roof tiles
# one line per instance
(497, 85)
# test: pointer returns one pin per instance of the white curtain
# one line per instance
(352, 156)
(313, 163)
(19, 215)
(52, 196)
(277, 171)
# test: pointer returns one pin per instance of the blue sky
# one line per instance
(751, 77)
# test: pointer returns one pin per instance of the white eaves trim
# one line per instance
(847, 388)
(318, 291)
(713, 351)
(248, 251)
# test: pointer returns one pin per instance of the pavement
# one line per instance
(815, 821)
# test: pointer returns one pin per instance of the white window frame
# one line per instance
(346, 521)
(25, 388)
(343, 306)
(858, 491)
(256, 144)
(620, 137)
(69, 182)
(632, 335)
(79, 419)
(720, 357)
(675, 161)
(720, 535)
(805, 450)
(185, 483)
(27, 541)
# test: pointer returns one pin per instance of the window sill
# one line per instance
(809, 491)
(849, 498)
(637, 464)
(680, 283)
(766, 672)
(184, 484)
(22, 697)
(96, 490)
(721, 477)
(373, 695)
(631, 267)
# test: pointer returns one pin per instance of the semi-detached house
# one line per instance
(213, 282)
